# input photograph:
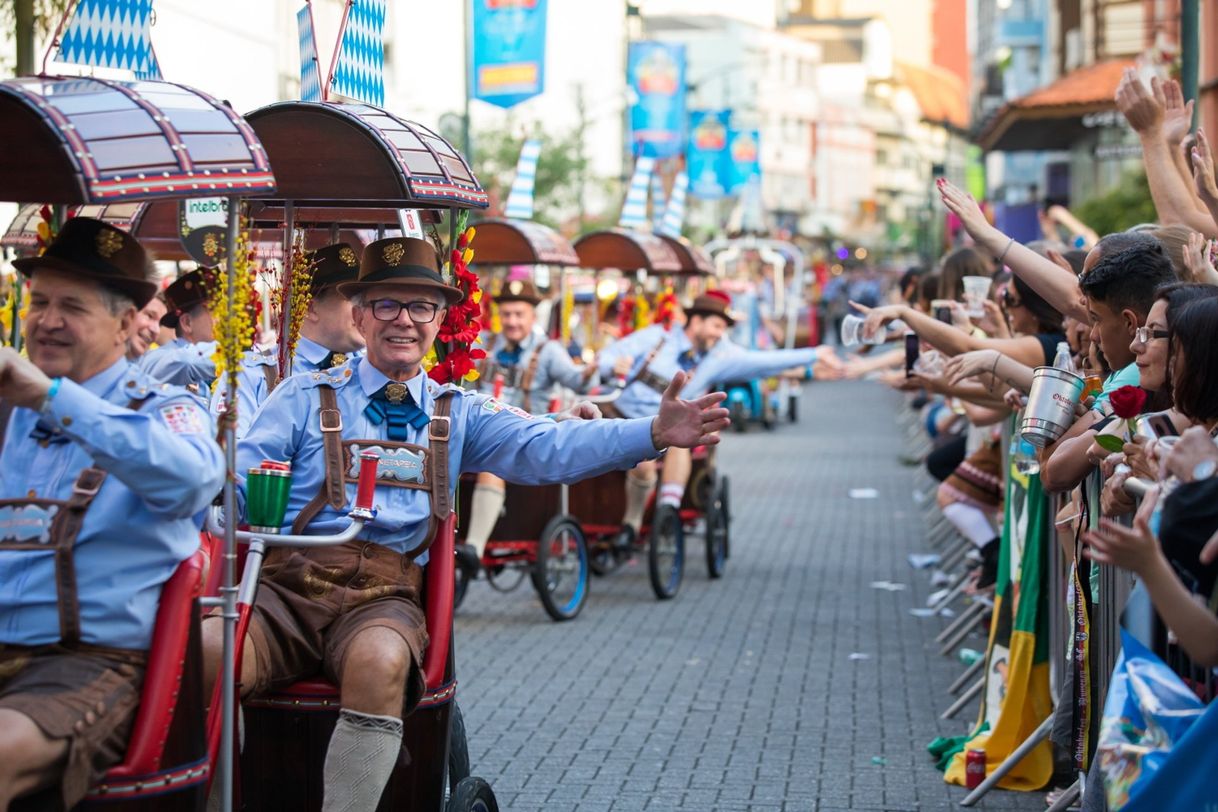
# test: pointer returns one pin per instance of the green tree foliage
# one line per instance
(1127, 205)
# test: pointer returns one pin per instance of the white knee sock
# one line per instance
(971, 521)
(483, 513)
(359, 761)
(637, 491)
(671, 494)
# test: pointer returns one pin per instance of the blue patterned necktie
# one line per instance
(508, 357)
(394, 405)
(44, 433)
(687, 360)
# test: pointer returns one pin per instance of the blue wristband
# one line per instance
(54, 390)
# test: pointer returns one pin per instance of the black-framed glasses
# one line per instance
(390, 309)
(1144, 335)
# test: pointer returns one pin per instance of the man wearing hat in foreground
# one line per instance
(529, 366)
(646, 362)
(187, 360)
(101, 471)
(327, 336)
(353, 612)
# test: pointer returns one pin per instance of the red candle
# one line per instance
(367, 479)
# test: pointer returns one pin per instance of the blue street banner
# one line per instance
(507, 51)
(360, 70)
(706, 159)
(744, 152)
(655, 72)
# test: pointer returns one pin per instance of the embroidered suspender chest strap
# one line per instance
(648, 378)
(333, 491)
(526, 382)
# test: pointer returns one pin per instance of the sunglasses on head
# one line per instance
(1009, 301)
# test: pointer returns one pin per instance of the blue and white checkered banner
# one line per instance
(674, 212)
(634, 211)
(360, 70)
(520, 198)
(310, 68)
(111, 34)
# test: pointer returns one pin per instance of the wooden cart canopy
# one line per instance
(693, 259)
(74, 140)
(271, 214)
(500, 241)
(626, 250)
(347, 155)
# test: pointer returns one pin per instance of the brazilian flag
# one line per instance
(1016, 699)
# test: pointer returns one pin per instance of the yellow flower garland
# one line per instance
(234, 330)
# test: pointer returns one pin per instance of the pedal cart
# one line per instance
(536, 536)
(600, 502)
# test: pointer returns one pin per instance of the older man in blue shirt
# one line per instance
(102, 469)
(353, 612)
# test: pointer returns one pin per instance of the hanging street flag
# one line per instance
(1016, 699)
(744, 155)
(508, 50)
(674, 213)
(655, 72)
(310, 68)
(520, 197)
(359, 72)
(658, 200)
(634, 211)
(707, 158)
(111, 34)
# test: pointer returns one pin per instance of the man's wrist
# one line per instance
(655, 435)
(52, 391)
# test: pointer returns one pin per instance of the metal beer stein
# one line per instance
(1051, 402)
(267, 489)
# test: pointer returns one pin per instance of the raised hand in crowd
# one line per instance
(1203, 173)
(993, 323)
(1140, 105)
(1194, 447)
(1197, 261)
(1177, 114)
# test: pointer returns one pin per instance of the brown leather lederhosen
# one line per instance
(341, 459)
(64, 530)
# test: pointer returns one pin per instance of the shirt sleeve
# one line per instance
(629, 347)
(745, 365)
(165, 452)
(536, 451)
(561, 369)
(181, 366)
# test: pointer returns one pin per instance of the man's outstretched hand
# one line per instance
(688, 423)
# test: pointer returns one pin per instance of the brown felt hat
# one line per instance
(518, 290)
(95, 250)
(401, 261)
(712, 303)
(186, 293)
(333, 265)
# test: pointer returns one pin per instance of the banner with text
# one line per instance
(508, 50)
(655, 72)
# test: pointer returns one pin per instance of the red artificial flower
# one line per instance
(1128, 401)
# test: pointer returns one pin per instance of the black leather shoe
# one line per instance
(623, 541)
(467, 559)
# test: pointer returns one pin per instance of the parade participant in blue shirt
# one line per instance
(101, 471)
(187, 360)
(327, 336)
(529, 366)
(353, 612)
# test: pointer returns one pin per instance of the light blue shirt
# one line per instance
(251, 379)
(486, 435)
(164, 466)
(1127, 376)
(554, 367)
(724, 362)
(182, 363)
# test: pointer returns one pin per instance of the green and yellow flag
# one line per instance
(1016, 699)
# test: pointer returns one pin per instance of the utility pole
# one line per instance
(1190, 46)
(581, 133)
(23, 17)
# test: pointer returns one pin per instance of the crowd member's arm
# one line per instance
(974, 393)
(1173, 199)
(1065, 463)
(632, 346)
(993, 363)
(747, 365)
(1056, 285)
(982, 416)
(1077, 227)
(1197, 262)
(948, 339)
(859, 366)
(1136, 549)
(1203, 174)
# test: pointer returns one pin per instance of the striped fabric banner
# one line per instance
(657, 200)
(520, 198)
(674, 212)
(310, 68)
(360, 71)
(634, 211)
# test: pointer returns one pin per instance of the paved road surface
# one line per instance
(744, 693)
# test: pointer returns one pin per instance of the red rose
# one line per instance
(1127, 402)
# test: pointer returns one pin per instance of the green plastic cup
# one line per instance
(266, 499)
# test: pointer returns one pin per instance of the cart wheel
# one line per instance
(460, 587)
(793, 408)
(472, 795)
(666, 552)
(604, 558)
(560, 575)
(458, 750)
(507, 578)
(716, 533)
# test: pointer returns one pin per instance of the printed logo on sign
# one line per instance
(182, 419)
(205, 211)
(400, 464)
(27, 523)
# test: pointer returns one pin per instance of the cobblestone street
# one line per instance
(791, 684)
